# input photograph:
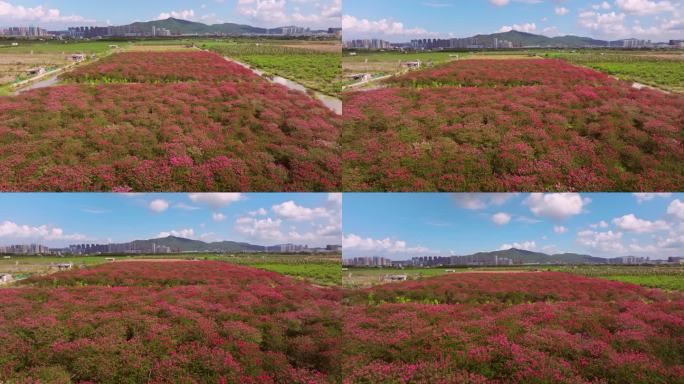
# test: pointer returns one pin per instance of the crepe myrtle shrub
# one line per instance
(160, 67)
(512, 125)
(513, 328)
(162, 322)
(202, 136)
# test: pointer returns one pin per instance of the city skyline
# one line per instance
(402, 226)
(61, 14)
(59, 220)
(657, 20)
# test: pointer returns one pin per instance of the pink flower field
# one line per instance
(157, 322)
(205, 321)
(161, 67)
(513, 328)
(226, 130)
(512, 125)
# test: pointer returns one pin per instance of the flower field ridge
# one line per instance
(512, 125)
(160, 67)
(513, 328)
(244, 134)
(160, 322)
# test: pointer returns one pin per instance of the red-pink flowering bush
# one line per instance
(513, 328)
(232, 135)
(512, 125)
(156, 322)
(161, 67)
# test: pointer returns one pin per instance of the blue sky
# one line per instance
(264, 13)
(266, 219)
(400, 226)
(403, 20)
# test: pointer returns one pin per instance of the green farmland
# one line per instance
(316, 65)
(318, 269)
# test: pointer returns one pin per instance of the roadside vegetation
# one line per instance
(657, 69)
(314, 66)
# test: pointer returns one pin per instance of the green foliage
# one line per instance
(316, 70)
(67, 47)
(651, 68)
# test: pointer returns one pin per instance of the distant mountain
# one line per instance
(178, 26)
(520, 256)
(186, 27)
(188, 245)
(530, 39)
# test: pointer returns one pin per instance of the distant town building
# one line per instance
(633, 260)
(24, 32)
(636, 43)
(372, 44)
(373, 262)
(25, 249)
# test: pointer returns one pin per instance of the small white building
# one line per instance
(78, 57)
(35, 71)
(412, 64)
(396, 277)
(65, 266)
(5, 278)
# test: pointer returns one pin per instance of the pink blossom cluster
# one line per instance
(231, 135)
(161, 67)
(513, 328)
(157, 322)
(512, 125)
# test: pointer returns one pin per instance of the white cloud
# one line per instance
(525, 27)
(560, 11)
(259, 212)
(275, 12)
(642, 197)
(187, 14)
(606, 24)
(216, 200)
(527, 246)
(499, 3)
(291, 211)
(185, 207)
(676, 209)
(357, 243)
(557, 206)
(383, 26)
(600, 224)
(631, 223)
(550, 31)
(13, 230)
(501, 218)
(335, 198)
(266, 229)
(645, 7)
(36, 14)
(605, 5)
(560, 229)
(159, 205)
(184, 233)
(602, 241)
(218, 216)
(477, 201)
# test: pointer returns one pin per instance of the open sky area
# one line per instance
(263, 219)
(400, 21)
(57, 14)
(401, 226)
